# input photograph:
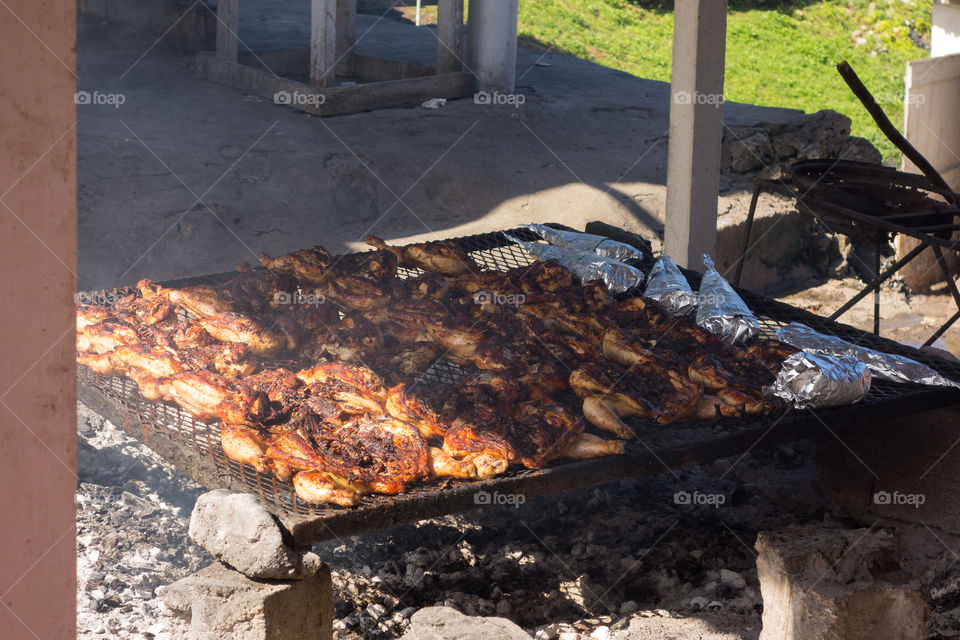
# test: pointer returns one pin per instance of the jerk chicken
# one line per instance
(314, 366)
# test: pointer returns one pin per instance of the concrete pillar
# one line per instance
(38, 263)
(945, 28)
(696, 123)
(492, 44)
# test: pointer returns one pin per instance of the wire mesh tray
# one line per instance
(194, 446)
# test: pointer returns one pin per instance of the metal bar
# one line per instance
(876, 292)
(947, 276)
(883, 278)
(943, 328)
(746, 240)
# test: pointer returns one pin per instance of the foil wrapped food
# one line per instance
(618, 276)
(817, 380)
(666, 285)
(721, 311)
(886, 366)
(586, 242)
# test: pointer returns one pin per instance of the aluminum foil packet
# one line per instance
(618, 276)
(721, 311)
(586, 242)
(817, 380)
(666, 285)
(885, 366)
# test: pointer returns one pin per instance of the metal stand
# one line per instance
(883, 225)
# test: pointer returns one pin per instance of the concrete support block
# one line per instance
(696, 130)
(906, 469)
(492, 44)
(218, 603)
(831, 583)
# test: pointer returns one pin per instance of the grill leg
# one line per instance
(883, 278)
(746, 238)
(952, 287)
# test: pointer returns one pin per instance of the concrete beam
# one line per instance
(38, 263)
(492, 44)
(696, 130)
(323, 42)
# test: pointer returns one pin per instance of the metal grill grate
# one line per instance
(172, 429)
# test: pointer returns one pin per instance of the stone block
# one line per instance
(446, 623)
(832, 583)
(239, 531)
(218, 603)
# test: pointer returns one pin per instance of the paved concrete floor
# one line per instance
(189, 177)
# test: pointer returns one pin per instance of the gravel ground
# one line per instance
(661, 555)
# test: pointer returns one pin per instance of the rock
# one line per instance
(819, 583)
(628, 607)
(732, 579)
(698, 602)
(240, 532)
(581, 592)
(217, 602)
(773, 147)
(444, 623)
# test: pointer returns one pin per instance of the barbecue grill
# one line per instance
(194, 446)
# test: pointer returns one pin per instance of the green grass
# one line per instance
(779, 53)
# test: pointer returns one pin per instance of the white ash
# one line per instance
(132, 515)
(596, 563)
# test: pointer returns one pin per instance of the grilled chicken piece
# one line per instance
(532, 434)
(147, 311)
(198, 392)
(402, 362)
(154, 361)
(102, 363)
(247, 445)
(440, 257)
(106, 336)
(426, 285)
(200, 300)
(316, 487)
(379, 452)
(591, 446)
(233, 327)
(353, 338)
(442, 464)
(309, 266)
(357, 376)
(406, 407)
(88, 314)
(541, 277)
(646, 390)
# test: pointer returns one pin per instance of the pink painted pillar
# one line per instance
(38, 261)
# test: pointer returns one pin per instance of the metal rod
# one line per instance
(947, 276)
(886, 127)
(939, 332)
(876, 292)
(746, 239)
(883, 278)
